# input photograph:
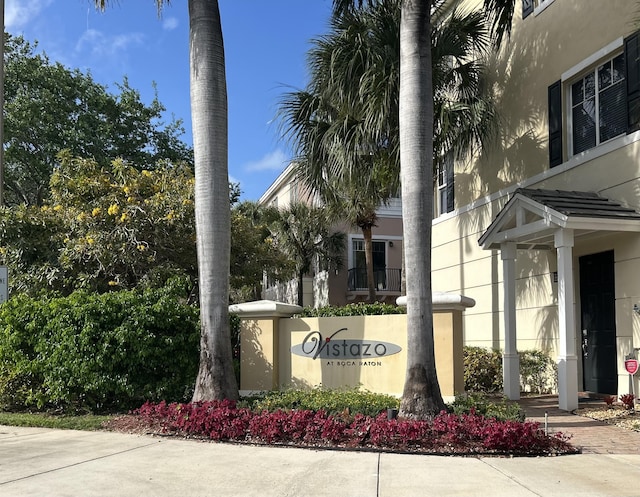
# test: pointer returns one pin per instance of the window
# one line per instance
(359, 269)
(602, 95)
(444, 185)
(529, 6)
(599, 105)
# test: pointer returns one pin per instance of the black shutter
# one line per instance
(632, 63)
(527, 8)
(555, 124)
(450, 188)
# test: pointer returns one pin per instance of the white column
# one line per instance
(510, 358)
(567, 360)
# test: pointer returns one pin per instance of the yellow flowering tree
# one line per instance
(117, 227)
(125, 226)
(103, 228)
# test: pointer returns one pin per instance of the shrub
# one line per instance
(97, 352)
(538, 372)
(332, 401)
(482, 370)
(356, 309)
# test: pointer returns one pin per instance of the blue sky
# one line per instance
(265, 43)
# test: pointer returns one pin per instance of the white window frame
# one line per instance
(353, 238)
(577, 72)
(441, 172)
(540, 5)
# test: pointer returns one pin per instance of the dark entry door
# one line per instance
(597, 297)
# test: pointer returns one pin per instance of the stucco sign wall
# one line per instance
(278, 351)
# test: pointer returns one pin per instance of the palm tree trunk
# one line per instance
(421, 397)
(216, 379)
(300, 288)
(368, 258)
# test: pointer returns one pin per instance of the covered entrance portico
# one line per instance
(547, 220)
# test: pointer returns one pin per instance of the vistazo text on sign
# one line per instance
(315, 346)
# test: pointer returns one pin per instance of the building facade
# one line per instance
(541, 228)
(350, 283)
(544, 233)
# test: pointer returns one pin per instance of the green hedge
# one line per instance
(357, 309)
(97, 352)
(333, 401)
(483, 371)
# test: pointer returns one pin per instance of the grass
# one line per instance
(87, 422)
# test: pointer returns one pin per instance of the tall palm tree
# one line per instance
(216, 378)
(421, 396)
(303, 233)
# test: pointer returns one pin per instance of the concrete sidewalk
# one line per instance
(38, 462)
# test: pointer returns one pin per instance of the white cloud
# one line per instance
(170, 23)
(273, 161)
(18, 13)
(101, 45)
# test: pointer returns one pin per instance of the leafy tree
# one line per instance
(253, 251)
(109, 228)
(50, 108)
(303, 233)
(103, 228)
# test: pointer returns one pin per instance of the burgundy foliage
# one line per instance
(627, 400)
(445, 434)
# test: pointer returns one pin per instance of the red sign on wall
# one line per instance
(631, 365)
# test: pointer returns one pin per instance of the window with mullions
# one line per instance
(602, 104)
(444, 183)
(599, 105)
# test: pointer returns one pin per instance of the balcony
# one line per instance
(386, 280)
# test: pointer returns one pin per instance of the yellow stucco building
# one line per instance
(545, 234)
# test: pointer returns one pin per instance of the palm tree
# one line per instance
(345, 125)
(421, 396)
(216, 378)
(303, 233)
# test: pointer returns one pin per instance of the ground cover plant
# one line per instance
(349, 419)
(446, 433)
(332, 401)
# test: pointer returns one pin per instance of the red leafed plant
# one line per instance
(627, 400)
(445, 434)
(609, 400)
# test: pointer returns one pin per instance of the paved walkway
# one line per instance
(594, 437)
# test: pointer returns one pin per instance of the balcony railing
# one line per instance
(386, 280)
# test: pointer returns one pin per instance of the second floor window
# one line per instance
(599, 105)
(444, 184)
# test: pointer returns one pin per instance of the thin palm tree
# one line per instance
(216, 378)
(304, 233)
